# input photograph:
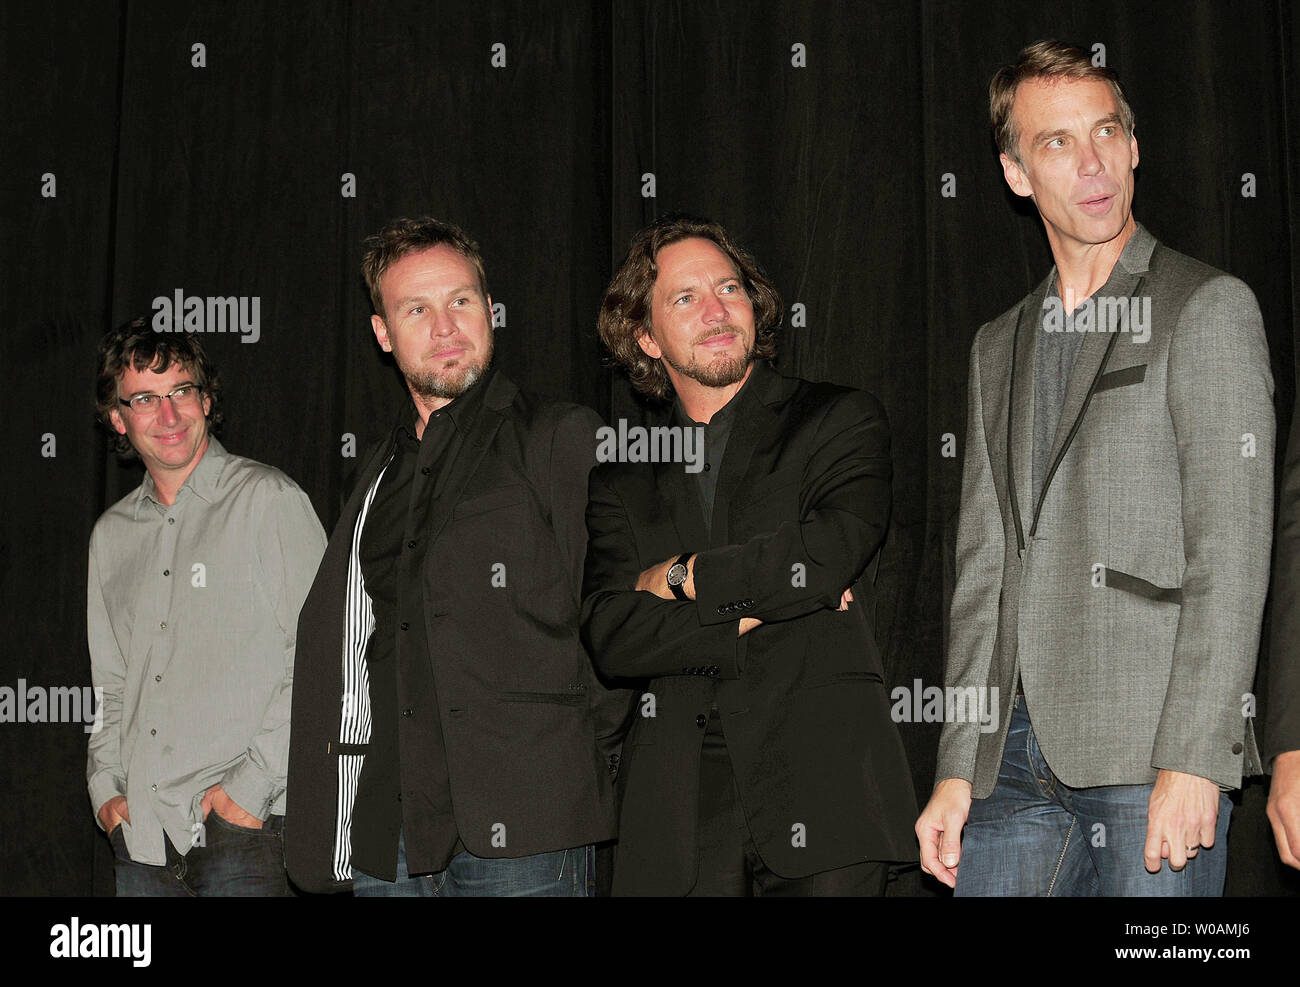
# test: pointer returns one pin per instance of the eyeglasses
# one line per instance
(185, 396)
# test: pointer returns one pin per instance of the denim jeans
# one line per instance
(557, 874)
(231, 861)
(1035, 836)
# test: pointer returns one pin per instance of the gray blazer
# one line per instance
(1130, 605)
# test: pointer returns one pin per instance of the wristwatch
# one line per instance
(677, 576)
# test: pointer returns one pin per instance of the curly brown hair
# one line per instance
(625, 313)
(137, 346)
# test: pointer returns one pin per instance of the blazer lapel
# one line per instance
(678, 490)
(1089, 365)
(753, 419)
(1020, 423)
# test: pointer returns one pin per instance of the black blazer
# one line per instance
(1282, 731)
(801, 509)
(529, 732)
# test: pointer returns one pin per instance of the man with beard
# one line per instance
(449, 737)
(762, 759)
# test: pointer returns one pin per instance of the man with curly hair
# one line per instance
(195, 582)
(763, 759)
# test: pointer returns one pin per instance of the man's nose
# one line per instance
(1090, 161)
(443, 324)
(715, 310)
(167, 411)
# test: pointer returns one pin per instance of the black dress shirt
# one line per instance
(404, 784)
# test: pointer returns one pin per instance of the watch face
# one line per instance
(677, 574)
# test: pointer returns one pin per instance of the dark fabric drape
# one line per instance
(846, 144)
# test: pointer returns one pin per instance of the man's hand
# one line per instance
(655, 579)
(216, 800)
(1284, 807)
(1181, 815)
(939, 829)
(113, 813)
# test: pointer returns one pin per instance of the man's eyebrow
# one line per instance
(403, 302)
(1043, 135)
(174, 387)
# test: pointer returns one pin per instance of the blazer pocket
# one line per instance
(494, 500)
(1138, 586)
(1121, 378)
(554, 698)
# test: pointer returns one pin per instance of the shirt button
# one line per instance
(701, 720)
(404, 625)
(157, 678)
(153, 788)
(167, 572)
(408, 712)
(163, 625)
(410, 544)
(426, 470)
(707, 467)
(153, 733)
(1236, 748)
(171, 520)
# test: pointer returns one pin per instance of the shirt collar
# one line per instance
(460, 410)
(724, 416)
(204, 479)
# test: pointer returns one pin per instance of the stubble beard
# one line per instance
(447, 384)
(721, 371)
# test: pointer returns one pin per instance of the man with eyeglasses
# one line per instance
(195, 582)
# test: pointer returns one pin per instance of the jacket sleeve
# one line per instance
(973, 616)
(804, 564)
(1220, 398)
(631, 633)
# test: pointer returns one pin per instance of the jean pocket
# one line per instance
(214, 821)
(117, 840)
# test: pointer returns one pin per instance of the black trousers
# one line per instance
(729, 863)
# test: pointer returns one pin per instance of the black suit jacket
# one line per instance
(802, 506)
(1282, 731)
(529, 732)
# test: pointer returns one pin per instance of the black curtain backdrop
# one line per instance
(846, 144)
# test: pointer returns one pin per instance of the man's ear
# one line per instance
(115, 419)
(649, 346)
(1015, 177)
(1133, 147)
(381, 333)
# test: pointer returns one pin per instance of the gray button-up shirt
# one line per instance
(192, 611)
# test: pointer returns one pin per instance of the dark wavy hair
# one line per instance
(137, 346)
(404, 236)
(625, 313)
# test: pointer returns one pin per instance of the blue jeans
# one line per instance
(233, 862)
(557, 874)
(1035, 836)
